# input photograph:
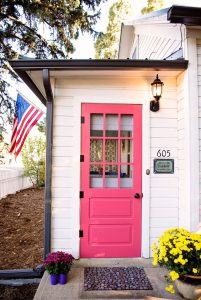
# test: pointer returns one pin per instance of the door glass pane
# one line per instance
(126, 176)
(96, 150)
(126, 125)
(127, 151)
(112, 125)
(96, 125)
(111, 150)
(111, 176)
(96, 176)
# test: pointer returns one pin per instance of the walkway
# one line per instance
(74, 288)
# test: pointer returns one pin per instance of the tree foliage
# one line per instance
(33, 159)
(41, 126)
(106, 45)
(42, 29)
(152, 5)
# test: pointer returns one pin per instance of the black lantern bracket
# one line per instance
(154, 105)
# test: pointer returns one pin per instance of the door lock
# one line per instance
(137, 195)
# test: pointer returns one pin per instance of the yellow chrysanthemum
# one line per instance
(174, 275)
(195, 270)
(170, 289)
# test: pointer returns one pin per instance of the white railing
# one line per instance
(12, 180)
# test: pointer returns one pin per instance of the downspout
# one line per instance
(48, 169)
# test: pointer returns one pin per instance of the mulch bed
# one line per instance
(25, 292)
(21, 238)
(116, 278)
(21, 229)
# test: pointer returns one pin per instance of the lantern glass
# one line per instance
(157, 88)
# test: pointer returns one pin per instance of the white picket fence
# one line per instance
(12, 180)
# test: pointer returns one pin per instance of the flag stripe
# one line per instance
(25, 118)
(20, 142)
(34, 121)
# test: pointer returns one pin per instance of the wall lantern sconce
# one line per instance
(156, 89)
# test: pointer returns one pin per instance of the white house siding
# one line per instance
(199, 96)
(163, 134)
(164, 187)
(181, 145)
(62, 175)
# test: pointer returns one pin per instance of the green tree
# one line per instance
(41, 126)
(106, 45)
(152, 5)
(33, 159)
(40, 29)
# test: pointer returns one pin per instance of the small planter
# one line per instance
(62, 278)
(54, 279)
(189, 289)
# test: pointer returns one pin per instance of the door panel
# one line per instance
(110, 177)
(110, 207)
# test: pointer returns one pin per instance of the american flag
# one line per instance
(26, 116)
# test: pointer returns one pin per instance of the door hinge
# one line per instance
(81, 158)
(142, 195)
(81, 234)
(81, 194)
(82, 120)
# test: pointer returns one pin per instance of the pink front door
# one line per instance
(111, 180)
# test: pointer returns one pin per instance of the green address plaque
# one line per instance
(163, 166)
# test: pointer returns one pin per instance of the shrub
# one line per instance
(33, 159)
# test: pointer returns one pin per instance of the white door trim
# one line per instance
(144, 101)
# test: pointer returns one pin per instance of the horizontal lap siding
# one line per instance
(181, 145)
(66, 166)
(199, 95)
(164, 205)
(62, 175)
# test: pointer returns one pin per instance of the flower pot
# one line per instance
(62, 278)
(54, 279)
(189, 290)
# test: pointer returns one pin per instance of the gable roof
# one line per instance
(155, 16)
(187, 15)
(175, 14)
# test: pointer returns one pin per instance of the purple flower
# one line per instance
(58, 262)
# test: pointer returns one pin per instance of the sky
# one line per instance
(88, 52)
(84, 46)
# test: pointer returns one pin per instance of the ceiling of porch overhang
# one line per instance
(94, 68)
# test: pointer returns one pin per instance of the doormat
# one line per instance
(116, 278)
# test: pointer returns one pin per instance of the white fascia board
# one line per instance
(126, 41)
(149, 18)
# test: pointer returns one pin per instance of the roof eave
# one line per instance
(23, 67)
(184, 15)
(103, 64)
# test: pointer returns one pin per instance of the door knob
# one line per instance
(137, 195)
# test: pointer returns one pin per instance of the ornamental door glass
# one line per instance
(111, 151)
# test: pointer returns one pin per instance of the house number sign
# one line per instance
(163, 166)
